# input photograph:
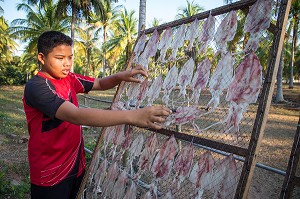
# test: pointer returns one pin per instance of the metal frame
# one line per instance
(264, 102)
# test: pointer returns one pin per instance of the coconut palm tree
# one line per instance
(190, 10)
(142, 14)
(7, 44)
(294, 15)
(86, 40)
(122, 41)
(38, 20)
(155, 22)
(105, 19)
(77, 9)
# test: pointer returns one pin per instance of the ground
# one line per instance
(274, 151)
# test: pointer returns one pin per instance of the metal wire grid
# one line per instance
(214, 133)
(187, 189)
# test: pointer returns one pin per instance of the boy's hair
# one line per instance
(50, 39)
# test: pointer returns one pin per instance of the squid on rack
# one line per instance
(141, 95)
(126, 142)
(169, 84)
(183, 115)
(220, 80)
(192, 33)
(259, 16)
(164, 44)
(139, 47)
(202, 172)
(108, 184)
(163, 161)
(132, 93)
(225, 178)
(150, 50)
(207, 32)
(117, 139)
(147, 155)
(185, 76)
(243, 90)
(183, 164)
(131, 192)
(200, 79)
(100, 176)
(154, 90)
(257, 20)
(120, 185)
(177, 41)
(226, 31)
(135, 149)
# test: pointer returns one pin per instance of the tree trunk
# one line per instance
(104, 50)
(142, 15)
(88, 59)
(279, 93)
(294, 43)
(73, 30)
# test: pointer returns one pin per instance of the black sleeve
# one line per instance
(41, 94)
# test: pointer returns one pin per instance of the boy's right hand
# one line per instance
(150, 117)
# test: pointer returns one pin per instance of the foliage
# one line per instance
(10, 190)
(38, 20)
(121, 43)
(7, 43)
(107, 37)
(11, 73)
(190, 10)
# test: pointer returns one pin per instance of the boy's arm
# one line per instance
(115, 79)
(151, 117)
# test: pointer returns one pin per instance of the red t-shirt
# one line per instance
(55, 147)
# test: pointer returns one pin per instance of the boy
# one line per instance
(55, 147)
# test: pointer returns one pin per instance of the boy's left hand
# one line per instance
(131, 75)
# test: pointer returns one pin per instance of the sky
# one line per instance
(164, 10)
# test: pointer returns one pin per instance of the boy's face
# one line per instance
(57, 64)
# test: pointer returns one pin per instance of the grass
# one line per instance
(14, 169)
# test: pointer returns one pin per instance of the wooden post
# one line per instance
(264, 102)
(290, 179)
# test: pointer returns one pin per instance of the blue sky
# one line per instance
(164, 10)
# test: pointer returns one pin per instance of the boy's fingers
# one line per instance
(140, 70)
(162, 111)
(156, 126)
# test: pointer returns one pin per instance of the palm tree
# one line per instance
(142, 15)
(7, 44)
(155, 22)
(190, 10)
(86, 41)
(294, 14)
(105, 18)
(38, 20)
(122, 42)
(77, 9)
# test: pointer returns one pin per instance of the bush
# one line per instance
(10, 75)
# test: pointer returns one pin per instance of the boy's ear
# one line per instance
(41, 58)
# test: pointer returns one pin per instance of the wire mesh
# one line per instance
(169, 183)
(210, 122)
